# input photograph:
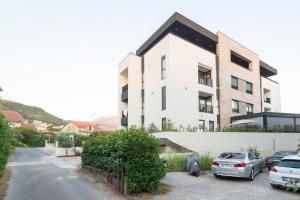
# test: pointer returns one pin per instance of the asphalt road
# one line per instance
(36, 175)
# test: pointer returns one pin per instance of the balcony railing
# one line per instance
(205, 81)
(124, 121)
(205, 108)
(267, 100)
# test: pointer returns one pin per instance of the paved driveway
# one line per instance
(36, 175)
(207, 187)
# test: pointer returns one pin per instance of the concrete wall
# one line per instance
(130, 73)
(218, 142)
(182, 87)
(274, 87)
(228, 69)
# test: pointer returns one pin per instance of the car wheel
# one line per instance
(197, 174)
(251, 176)
(217, 176)
(274, 186)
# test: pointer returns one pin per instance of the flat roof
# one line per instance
(267, 70)
(268, 114)
(185, 28)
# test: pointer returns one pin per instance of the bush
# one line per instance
(30, 137)
(5, 146)
(64, 140)
(133, 151)
(255, 151)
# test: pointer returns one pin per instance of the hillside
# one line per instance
(110, 123)
(31, 112)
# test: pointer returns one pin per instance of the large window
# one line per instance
(201, 125)
(163, 98)
(234, 82)
(240, 60)
(163, 123)
(235, 106)
(211, 126)
(280, 124)
(163, 67)
(249, 108)
(249, 88)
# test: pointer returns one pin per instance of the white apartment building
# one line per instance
(191, 77)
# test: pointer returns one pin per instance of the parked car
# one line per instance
(270, 161)
(287, 170)
(237, 164)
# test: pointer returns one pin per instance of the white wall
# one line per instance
(274, 87)
(182, 105)
(132, 63)
(218, 142)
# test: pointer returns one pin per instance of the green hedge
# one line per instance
(132, 150)
(30, 137)
(5, 146)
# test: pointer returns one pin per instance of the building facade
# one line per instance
(187, 76)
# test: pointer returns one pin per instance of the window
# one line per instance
(240, 60)
(211, 126)
(234, 82)
(163, 123)
(163, 67)
(249, 88)
(235, 106)
(201, 125)
(249, 108)
(205, 104)
(163, 98)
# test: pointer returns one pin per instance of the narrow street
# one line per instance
(37, 175)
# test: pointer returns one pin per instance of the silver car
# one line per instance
(237, 164)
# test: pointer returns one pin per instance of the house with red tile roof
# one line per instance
(82, 128)
(14, 118)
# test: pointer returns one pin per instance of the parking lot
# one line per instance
(208, 187)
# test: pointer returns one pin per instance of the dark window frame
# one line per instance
(240, 60)
(163, 98)
(236, 87)
(163, 123)
(203, 127)
(235, 110)
(163, 67)
(213, 126)
(249, 91)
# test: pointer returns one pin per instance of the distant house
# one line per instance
(28, 125)
(82, 128)
(14, 118)
(40, 126)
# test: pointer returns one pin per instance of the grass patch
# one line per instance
(177, 163)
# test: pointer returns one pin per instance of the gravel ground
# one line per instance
(210, 188)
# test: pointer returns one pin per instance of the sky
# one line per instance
(62, 55)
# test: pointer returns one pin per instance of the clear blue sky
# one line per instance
(63, 55)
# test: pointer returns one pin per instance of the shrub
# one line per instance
(30, 137)
(5, 147)
(255, 151)
(64, 140)
(152, 128)
(205, 162)
(133, 151)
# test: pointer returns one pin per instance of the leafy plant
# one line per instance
(30, 137)
(5, 146)
(253, 149)
(130, 150)
(152, 128)
(298, 148)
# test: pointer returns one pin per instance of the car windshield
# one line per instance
(232, 156)
(290, 164)
(284, 153)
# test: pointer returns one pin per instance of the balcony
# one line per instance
(206, 81)
(124, 95)
(267, 100)
(205, 108)
(124, 121)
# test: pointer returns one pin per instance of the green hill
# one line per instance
(31, 112)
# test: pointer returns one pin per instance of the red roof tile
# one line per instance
(12, 116)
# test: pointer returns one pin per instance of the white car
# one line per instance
(287, 170)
